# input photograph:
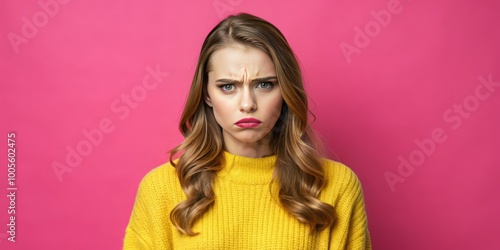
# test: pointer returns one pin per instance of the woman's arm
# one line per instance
(149, 225)
(351, 229)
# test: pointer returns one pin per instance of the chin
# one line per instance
(247, 136)
(249, 139)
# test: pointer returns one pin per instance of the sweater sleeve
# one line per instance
(358, 236)
(148, 226)
(351, 229)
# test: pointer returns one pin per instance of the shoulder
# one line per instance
(341, 181)
(159, 174)
(160, 182)
(337, 171)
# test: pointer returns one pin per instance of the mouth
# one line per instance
(248, 123)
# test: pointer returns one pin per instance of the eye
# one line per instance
(226, 87)
(265, 85)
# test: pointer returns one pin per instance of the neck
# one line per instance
(256, 149)
(250, 152)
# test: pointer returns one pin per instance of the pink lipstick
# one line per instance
(248, 123)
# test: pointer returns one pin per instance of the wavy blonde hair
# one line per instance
(298, 171)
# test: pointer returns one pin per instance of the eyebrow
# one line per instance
(261, 79)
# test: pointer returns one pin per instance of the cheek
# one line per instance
(278, 101)
(221, 112)
(275, 105)
(222, 109)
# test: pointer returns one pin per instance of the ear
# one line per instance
(208, 101)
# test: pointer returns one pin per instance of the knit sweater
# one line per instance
(245, 214)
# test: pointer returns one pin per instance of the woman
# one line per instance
(249, 175)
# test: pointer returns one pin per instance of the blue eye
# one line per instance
(265, 85)
(226, 87)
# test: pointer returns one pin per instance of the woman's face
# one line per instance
(245, 96)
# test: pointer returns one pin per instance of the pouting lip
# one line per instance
(248, 120)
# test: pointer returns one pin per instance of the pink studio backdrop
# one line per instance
(405, 92)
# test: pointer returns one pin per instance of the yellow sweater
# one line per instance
(245, 215)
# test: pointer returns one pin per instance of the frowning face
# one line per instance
(245, 96)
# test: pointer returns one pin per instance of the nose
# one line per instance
(248, 103)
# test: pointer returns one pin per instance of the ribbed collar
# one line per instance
(247, 170)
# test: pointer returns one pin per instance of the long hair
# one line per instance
(298, 172)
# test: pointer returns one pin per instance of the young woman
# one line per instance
(249, 175)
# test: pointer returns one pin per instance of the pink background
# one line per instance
(409, 80)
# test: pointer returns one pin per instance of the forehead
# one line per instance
(238, 60)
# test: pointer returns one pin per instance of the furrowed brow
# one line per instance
(264, 79)
(227, 81)
(256, 80)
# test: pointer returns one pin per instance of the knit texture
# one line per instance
(245, 214)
